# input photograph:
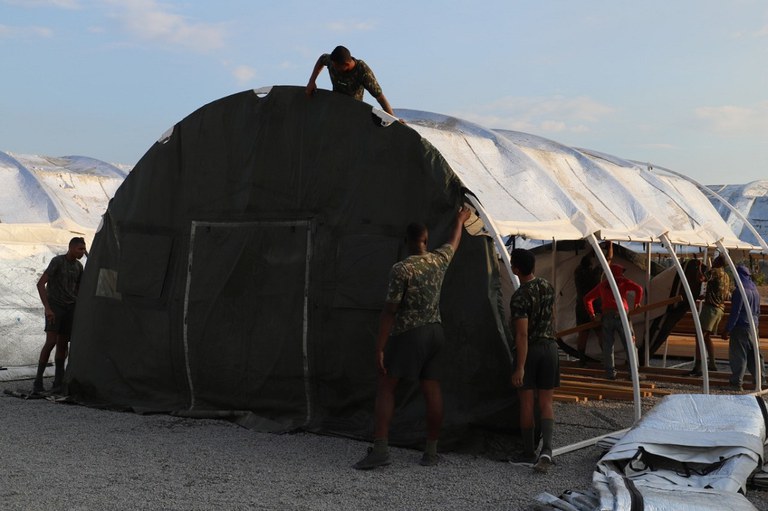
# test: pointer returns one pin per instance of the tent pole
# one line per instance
(752, 326)
(490, 226)
(586, 443)
(692, 305)
(631, 353)
(647, 325)
(709, 191)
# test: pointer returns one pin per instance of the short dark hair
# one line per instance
(340, 55)
(523, 260)
(77, 240)
(414, 231)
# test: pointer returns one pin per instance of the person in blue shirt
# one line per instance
(740, 351)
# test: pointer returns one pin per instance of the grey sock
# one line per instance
(431, 447)
(547, 431)
(40, 370)
(380, 445)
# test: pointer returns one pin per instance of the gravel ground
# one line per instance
(59, 456)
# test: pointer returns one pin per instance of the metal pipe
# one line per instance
(692, 305)
(752, 325)
(631, 353)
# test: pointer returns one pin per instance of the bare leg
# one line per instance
(385, 405)
(433, 398)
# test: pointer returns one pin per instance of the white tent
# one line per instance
(751, 201)
(44, 202)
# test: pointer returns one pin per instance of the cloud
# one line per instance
(8, 32)
(62, 4)
(350, 26)
(735, 120)
(556, 114)
(243, 74)
(150, 21)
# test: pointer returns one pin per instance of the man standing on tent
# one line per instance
(611, 319)
(410, 337)
(712, 310)
(537, 365)
(58, 287)
(349, 76)
(741, 354)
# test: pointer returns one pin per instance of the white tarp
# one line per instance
(751, 200)
(705, 446)
(539, 189)
(44, 202)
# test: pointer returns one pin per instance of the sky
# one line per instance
(682, 84)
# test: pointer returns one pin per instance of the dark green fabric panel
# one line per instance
(246, 161)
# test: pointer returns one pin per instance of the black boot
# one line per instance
(58, 378)
(37, 386)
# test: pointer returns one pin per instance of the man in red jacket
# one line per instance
(611, 319)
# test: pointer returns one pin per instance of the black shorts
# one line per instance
(413, 354)
(62, 321)
(542, 366)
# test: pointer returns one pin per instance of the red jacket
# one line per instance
(603, 291)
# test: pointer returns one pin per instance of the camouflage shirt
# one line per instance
(415, 284)
(354, 81)
(718, 288)
(63, 280)
(535, 300)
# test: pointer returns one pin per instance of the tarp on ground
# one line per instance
(44, 202)
(691, 451)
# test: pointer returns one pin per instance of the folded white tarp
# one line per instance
(702, 446)
(751, 200)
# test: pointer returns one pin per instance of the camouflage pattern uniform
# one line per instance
(415, 284)
(535, 301)
(718, 291)
(354, 82)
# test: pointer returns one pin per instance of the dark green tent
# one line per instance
(241, 267)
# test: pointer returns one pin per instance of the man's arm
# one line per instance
(382, 99)
(736, 308)
(386, 321)
(319, 65)
(44, 296)
(638, 290)
(520, 326)
(461, 217)
(589, 299)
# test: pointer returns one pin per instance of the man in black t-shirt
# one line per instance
(58, 289)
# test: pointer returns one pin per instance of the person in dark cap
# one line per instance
(741, 354)
(611, 320)
(349, 76)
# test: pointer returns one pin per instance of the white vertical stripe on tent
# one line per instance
(305, 327)
(692, 305)
(629, 345)
(752, 325)
(186, 311)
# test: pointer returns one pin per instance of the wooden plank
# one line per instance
(593, 379)
(568, 398)
(638, 310)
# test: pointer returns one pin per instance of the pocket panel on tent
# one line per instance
(246, 310)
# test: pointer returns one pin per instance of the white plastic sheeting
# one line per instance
(751, 200)
(44, 202)
(698, 450)
(539, 189)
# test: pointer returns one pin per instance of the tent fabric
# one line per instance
(44, 202)
(539, 189)
(751, 200)
(705, 446)
(241, 268)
